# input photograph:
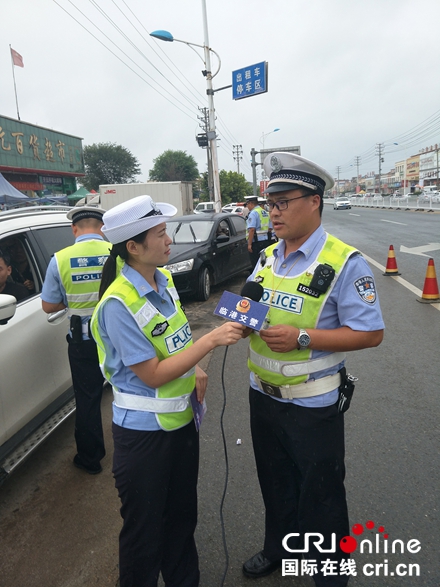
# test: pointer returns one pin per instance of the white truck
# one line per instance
(178, 193)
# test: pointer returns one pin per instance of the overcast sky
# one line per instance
(343, 75)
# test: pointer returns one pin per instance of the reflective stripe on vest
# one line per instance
(291, 369)
(294, 308)
(80, 268)
(175, 338)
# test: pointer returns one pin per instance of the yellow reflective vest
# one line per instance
(264, 222)
(80, 268)
(168, 335)
(290, 306)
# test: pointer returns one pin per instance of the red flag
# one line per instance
(17, 59)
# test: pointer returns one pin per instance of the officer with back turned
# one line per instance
(72, 281)
(322, 303)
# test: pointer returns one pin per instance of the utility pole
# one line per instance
(379, 147)
(338, 169)
(212, 135)
(237, 154)
(437, 178)
(357, 161)
(204, 124)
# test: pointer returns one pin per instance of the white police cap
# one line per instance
(134, 216)
(286, 170)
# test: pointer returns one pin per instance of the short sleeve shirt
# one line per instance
(344, 306)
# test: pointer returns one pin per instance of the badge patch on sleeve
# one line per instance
(159, 329)
(366, 289)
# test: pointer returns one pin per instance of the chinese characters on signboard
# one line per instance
(249, 81)
(25, 146)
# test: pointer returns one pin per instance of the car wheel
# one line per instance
(203, 285)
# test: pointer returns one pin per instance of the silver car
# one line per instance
(36, 390)
(342, 203)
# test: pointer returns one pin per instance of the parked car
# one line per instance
(206, 250)
(36, 391)
(342, 203)
(234, 209)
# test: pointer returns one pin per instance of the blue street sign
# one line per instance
(249, 81)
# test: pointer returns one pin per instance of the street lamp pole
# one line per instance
(212, 136)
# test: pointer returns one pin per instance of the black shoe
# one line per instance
(90, 470)
(260, 566)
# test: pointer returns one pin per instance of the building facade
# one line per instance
(34, 158)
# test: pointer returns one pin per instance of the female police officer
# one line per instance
(147, 354)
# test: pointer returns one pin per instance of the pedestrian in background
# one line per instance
(322, 302)
(72, 281)
(258, 228)
(147, 354)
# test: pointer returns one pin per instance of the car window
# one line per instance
(54, 238)
(24, 266)
(222, 228)
(189, 232)
(239, 225)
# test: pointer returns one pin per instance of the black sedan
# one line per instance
(206, 250)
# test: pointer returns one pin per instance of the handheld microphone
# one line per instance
(244, 308)
(252, 290)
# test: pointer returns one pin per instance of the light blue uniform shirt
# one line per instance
(126, 344)
(344, 306)
(253, 221)
(53, 291)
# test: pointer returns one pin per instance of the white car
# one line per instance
(234, 209)
(36, 391)
(342, 203)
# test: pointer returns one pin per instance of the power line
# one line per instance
(122, 61)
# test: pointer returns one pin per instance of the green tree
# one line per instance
(108, 163)
(234, 187)
(174, 166)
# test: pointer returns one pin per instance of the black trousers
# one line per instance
(87, 382)
(299, 454)
(156, 477)
(257, 247)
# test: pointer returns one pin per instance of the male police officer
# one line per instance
(322, 302)
(258, 228)
(72, 280)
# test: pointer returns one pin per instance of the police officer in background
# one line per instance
(72, 281)
(322, 302)
(259, 228)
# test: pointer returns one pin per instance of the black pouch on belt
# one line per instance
(76, 329)
(346, 390)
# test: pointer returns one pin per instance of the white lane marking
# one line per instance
(420, 250)
(393, 222)
(351, 214)
(407, 284)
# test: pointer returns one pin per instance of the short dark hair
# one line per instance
(4, 254)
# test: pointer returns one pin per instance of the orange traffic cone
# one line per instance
(430, 292)
(391, 268)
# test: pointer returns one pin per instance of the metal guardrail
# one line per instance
(409, 202)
